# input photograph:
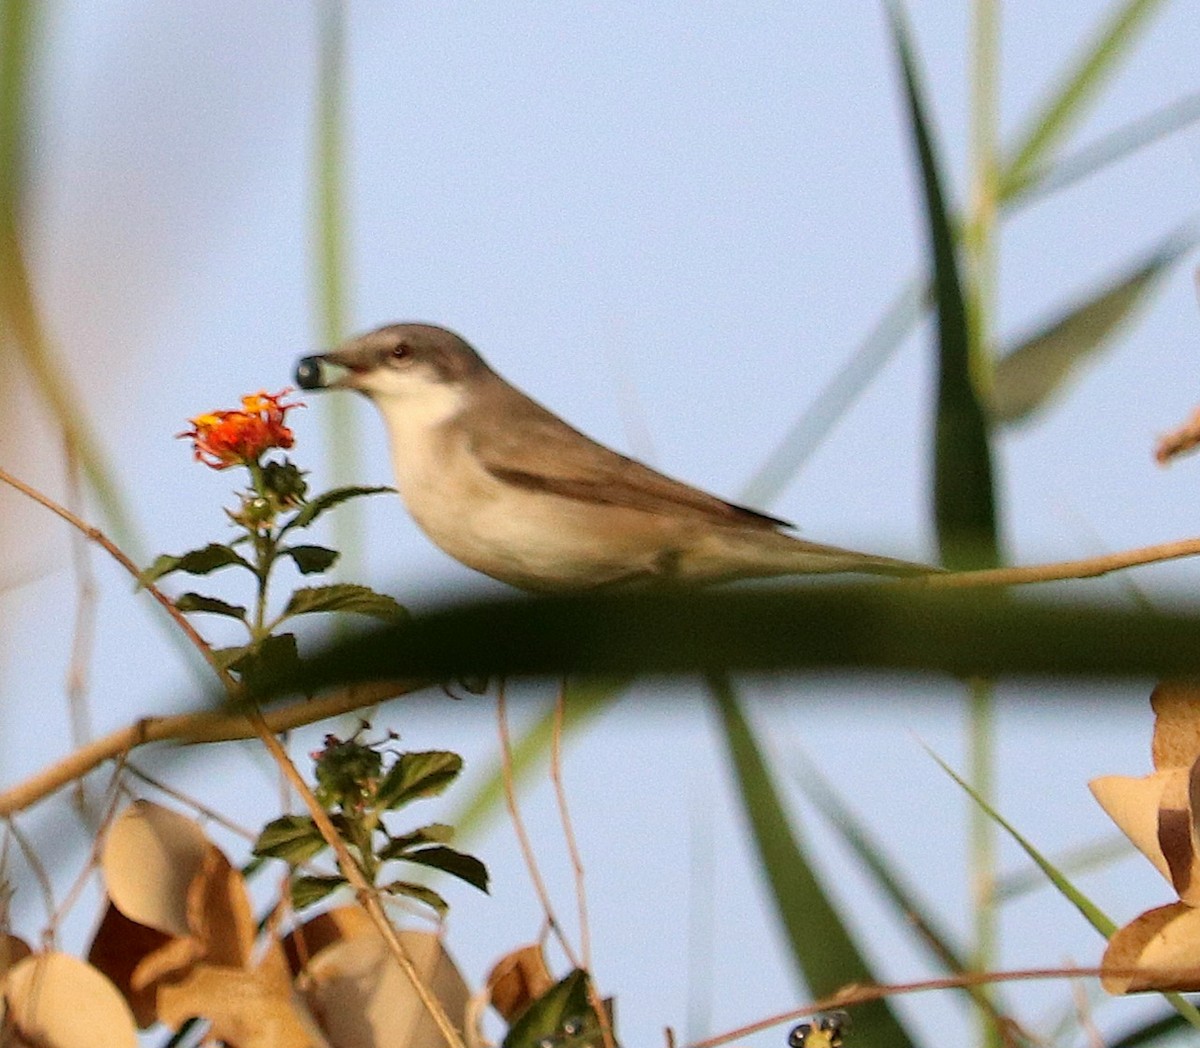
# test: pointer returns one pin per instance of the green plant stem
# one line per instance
(329, 259)
(981, 267)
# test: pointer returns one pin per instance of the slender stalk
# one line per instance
(330, 256)
(981, 266)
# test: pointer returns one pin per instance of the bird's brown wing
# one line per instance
(545, 454)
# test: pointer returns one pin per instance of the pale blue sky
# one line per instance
(687, 215)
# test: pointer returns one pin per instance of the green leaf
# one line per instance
(1027, 376)
(227, 657)
(434, 833)
(326, 501)
(344, 596)
(911, 911)
(822, 948)
(450, 860)
(194, 562)
(1068, 105)
(566, 1002)
(275, 656)
(964, 496)
(419, 892)
(307, 890)
(310, 560)
(192, 602)
(416, 775)
(293, 838)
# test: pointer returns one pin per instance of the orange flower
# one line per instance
(239, 438)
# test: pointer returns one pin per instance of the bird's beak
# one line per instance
(323, 372)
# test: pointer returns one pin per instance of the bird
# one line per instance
(508, 488)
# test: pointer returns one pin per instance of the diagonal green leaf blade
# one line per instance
(327, 500)
(964, 496)
(192, 602)
(344, 596)
(1028, 376)
(822, 947)
(1089, 910)
(1067, 106)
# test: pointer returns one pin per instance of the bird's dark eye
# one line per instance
(399, 351)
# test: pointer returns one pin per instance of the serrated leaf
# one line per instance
(311, 889)
(293, 838)
(193, 602)
(416, 775)
(434, 833)
(565, 1002)
(344, 596)
(450, 860)
(419, 892)
(326, 501)
(276, 657)
(194, 562)
(1027, 376)
(311, 560)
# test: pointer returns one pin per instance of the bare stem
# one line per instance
(510, 799)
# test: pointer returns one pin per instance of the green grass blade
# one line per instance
(1067, 106)
(1137, 134)
(19, 314)
(1084, 859)
(1029, 375)
(1165, 1029)
(915, 915)
(964, 499)
(806, 434)
(1089, 910)
(824, 952)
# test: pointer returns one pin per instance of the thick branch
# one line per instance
(208, 726)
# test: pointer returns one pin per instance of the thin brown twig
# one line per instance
(510, 800)
(564, 814)
(1086, 568)
(368, 894)
(861, 993)
(85, 621)
(206, 726)
(200, 808)
(93, 859)
(39, 874)
(577, 868)
(113, 550)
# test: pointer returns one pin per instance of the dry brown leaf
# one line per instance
(151, 856)
(13, 950)
(58, 1001)
(342, 922)
(247, 1009)
(1133, 804)
(362, 998)
(1176, 705)
(119, 947)
(517, 980)
(1166, 939)
(219, 914)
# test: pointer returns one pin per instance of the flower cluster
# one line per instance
(222, 439)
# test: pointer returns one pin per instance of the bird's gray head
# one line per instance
(395, 363)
